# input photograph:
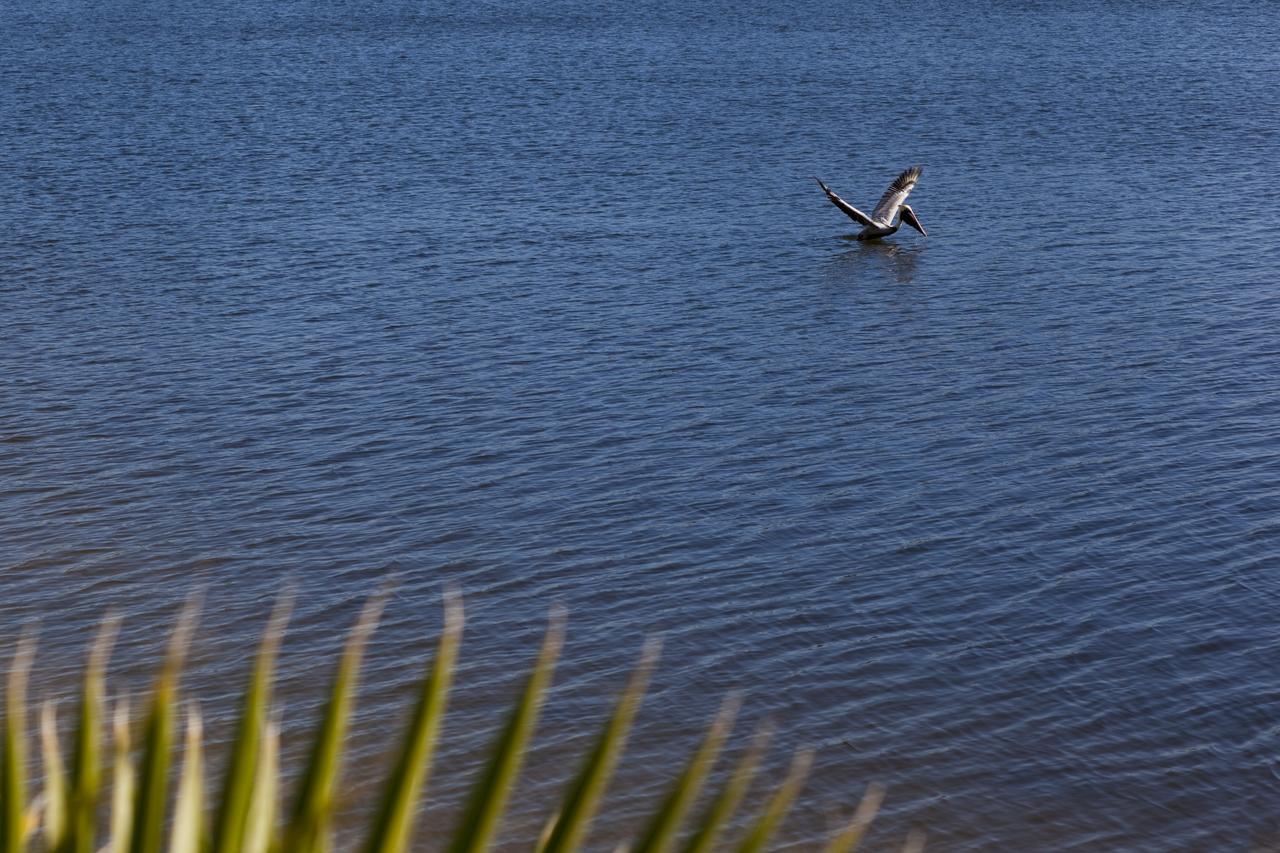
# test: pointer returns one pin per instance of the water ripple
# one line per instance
(542, 302)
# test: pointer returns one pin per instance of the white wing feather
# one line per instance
(897, 193)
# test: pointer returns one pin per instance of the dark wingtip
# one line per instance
(911, 173)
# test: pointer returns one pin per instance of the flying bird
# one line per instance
(883, 221)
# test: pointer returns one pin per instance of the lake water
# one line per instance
(540, 299)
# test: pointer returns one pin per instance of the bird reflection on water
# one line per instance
(899, 261)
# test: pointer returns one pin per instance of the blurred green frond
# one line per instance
(80, 809)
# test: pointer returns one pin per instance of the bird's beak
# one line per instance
(909, 217)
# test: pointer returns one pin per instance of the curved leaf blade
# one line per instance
(309, 818)
(847, 840)
(188, 815)
(661, 832)
(488, 798)
(55, 782)
(393, 823)
(86, 757)
(722, 809)
(261, 819)
(570, 827)
(123, 781)
(13, 750)
(242, 767)
(776, 810)
(157, 742)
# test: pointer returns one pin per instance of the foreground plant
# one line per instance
(75, 812)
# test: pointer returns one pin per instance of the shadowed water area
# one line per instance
(539, 299)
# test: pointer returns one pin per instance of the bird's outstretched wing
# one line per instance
(896, 194)
(852, 212)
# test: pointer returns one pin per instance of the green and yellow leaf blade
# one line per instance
(722, 809)
(13, 750)
(778, 806)
(393, 821)
(242, 766)
(123, 777)
(569, 828)
(55, 782)
(261, 820)
(308, 824)
(188, 816)
(488, 799)
(846, 841)
(660, 834)
(86, 755)
(157, 742)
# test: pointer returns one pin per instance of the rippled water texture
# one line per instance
(541, 300)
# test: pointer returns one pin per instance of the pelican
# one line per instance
(881, 221)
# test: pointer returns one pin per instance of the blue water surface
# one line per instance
(539, 299)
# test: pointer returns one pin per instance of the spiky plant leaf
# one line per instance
(55, 782)
(778, 805)
(847, 840)
(488, 799)
(237, 789)
(548, 827)
(661, 831)
(69, 803)
(309, 819)
(723, 807)
(569, 828)
(13, 750)
(393, 822)
(157, 742)
(86, 758)
(188, 815)
(261, 820)
(123, 782)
